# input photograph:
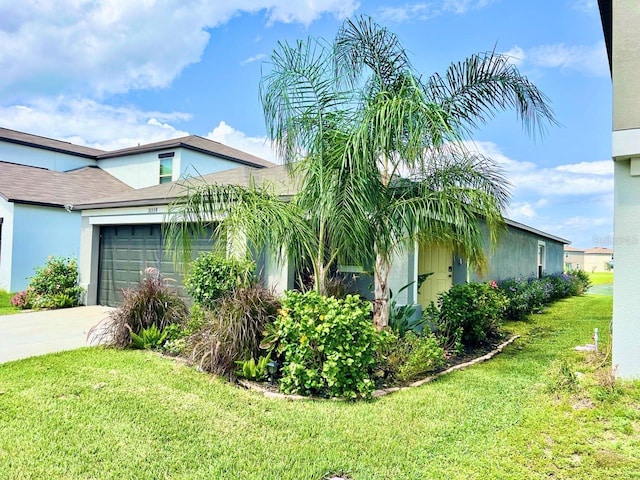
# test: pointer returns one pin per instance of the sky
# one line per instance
(116, 73)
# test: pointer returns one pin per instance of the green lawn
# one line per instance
(600, 278)
(5, 304)
(97, 413)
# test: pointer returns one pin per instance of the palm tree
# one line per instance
(357, 113)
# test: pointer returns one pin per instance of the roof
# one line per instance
(277, 177)
(598, 250)
(27, 139)
(527, 228)
(40, 186)
(569, 248)
(195, 143)
(606, 16)
(191, 142)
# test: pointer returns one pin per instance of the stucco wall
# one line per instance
(11, 152)
(626, 67)
(37, 233)
(516, 255)
(194, 164)
(595, 262)
(139, 171)
(6, 248)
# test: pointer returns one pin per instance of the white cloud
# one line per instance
(520, 211)
(258, 146)
(87, 122)
(587, 59)
(255, 58)
(586, 6)
(427, 10)
(100, 47)
(584, 178)
(516, 55)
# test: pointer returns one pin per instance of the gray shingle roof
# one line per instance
(40, 186)
(163, 194)
(21, 138)
(196, 143)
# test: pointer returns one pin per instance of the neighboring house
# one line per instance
(620, 20)
(122, 236)
(573, 258)
(42, 178)
(598, 259)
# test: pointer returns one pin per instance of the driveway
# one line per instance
(35, 333)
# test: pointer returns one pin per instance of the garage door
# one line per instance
(126, 251)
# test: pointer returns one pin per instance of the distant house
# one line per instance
(573, 258)
(42, 178)
(598, 259)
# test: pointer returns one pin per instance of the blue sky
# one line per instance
(112, 74)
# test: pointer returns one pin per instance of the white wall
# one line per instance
(137, 171)
(6, 248)
(626, 301)
(37, 157)
(39, 232)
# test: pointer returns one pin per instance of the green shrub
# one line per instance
(54, 285)
(581, 282)
(149, 338)
(151, 303)
(232, 329)
(212, 275)
(406, 358)
(328, 345)
(476, 308)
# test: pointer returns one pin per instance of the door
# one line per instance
(439, 261)
(126, 251)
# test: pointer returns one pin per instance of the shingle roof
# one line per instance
(568, 248)
(163, 194)
(601, 250)
(196, 143)
(21, 138)
(40, 186)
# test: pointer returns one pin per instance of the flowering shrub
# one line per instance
(55, 285)
(328, 345)
(21, 299)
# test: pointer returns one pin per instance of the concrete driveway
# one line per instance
(35, 333)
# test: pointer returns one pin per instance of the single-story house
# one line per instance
(42, 178)
(122, 236)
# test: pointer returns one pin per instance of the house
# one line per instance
(573, 258)
(598, 259)
(123, 235)
(620, 20)
(42, 178)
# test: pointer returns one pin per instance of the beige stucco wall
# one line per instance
(576, 259)
(595, 262)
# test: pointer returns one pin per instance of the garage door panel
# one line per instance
(127, 251)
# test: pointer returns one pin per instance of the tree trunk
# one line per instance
(381, 304)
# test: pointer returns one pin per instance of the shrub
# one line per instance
(581, 282)
(476, 308)
(232, 330)
(212, 275)
(150, 338)
(402, 359)
(21, 299)
(328, 345)
(55, 285)
(151, 303)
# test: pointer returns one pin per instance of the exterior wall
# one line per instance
(6, 247)
(37, 157)
(194, 164)
(403, 272)
(516, 255)
(595, 262)
(141, 170)
(574, 260)
(39, 232)
(626, 153)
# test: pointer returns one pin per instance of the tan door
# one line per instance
(440, 262)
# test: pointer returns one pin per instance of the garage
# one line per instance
(126, 251)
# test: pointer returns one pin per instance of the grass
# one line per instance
(601, 278)
(5, 304)
(96, 413)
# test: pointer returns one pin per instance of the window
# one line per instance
(541, 259)
(166, 167)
